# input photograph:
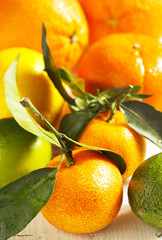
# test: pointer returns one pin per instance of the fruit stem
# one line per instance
(65, 150)
(112, 112)
(61, 159)
(116, 100)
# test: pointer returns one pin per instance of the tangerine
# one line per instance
(87, 196)
(119, 60)
(109, 17)
(118, 137)
(67, 30)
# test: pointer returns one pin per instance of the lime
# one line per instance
(144, 191)
(20, 151)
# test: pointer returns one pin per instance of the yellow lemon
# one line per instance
(33, 82)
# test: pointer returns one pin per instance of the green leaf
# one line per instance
(75, 84)
(20, 113)
(111, 92)
(140, 96)
(22, 200)
(52, 70)
(144, 119)
(115, 158)
(74, 123)
(132, 93)
(134, 89)
(80, 103)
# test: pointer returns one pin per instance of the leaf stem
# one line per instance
(27, 103)
(61, 159)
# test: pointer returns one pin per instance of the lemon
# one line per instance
(33, 82)
(144, 191)
(20, 151)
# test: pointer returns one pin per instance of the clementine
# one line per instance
(119, 60)
(116, 136)
(87, 196)
(129, 16)
(67, 31)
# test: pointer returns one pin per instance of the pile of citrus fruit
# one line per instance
(109, 45)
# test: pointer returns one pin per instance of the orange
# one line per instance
(119, 60)
(67, 30)
(126, 16)
(87, 196)
(116, 136)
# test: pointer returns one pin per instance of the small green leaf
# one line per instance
(75, 84)
(144, 119)
(81, 103)
(110, 92)
(73, 124)
(134, 89)
(132, 93)
(22, 200)
(140, 96)
(52, 71)
(20, 113)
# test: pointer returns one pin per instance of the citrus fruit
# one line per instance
(33, 82)
(107, 17)
(144, 191)
(116, 136)
(119, 60)
(20, 151)
(87, 196)
(67, 31)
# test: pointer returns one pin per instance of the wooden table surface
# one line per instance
(126, 225)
